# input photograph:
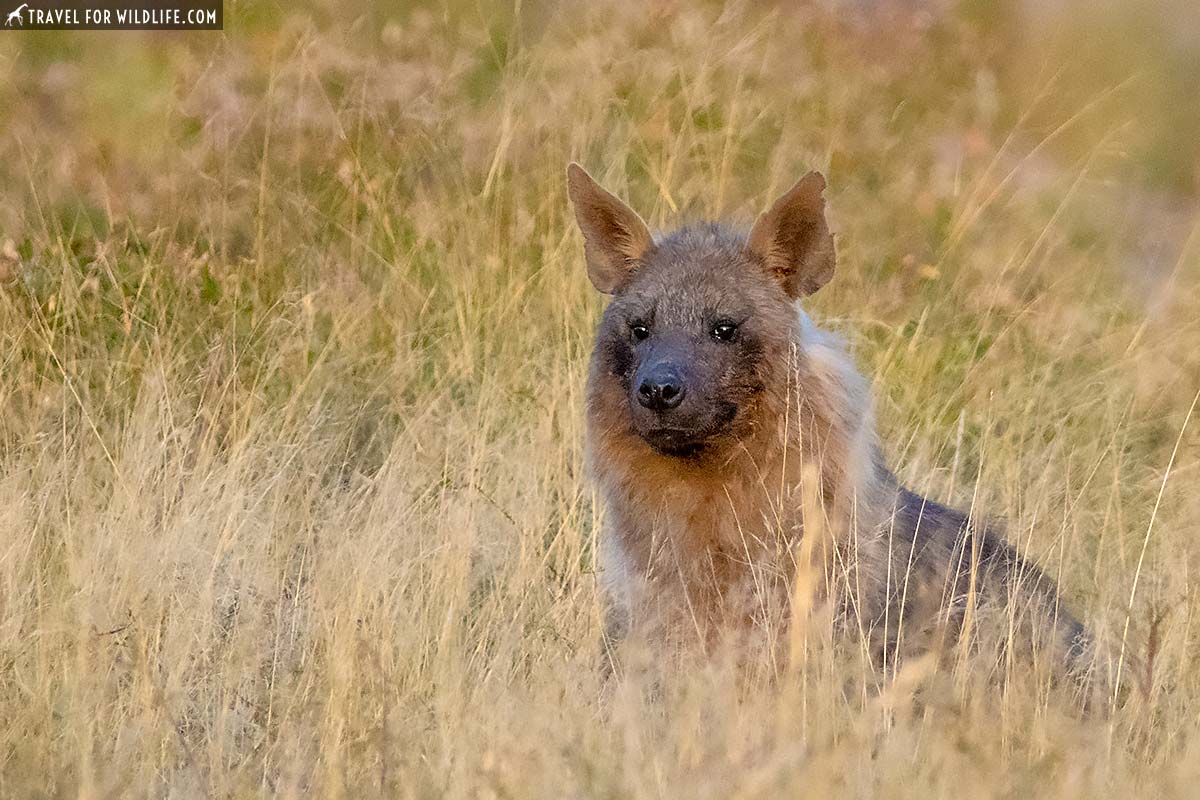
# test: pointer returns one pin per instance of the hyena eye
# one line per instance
(725, 331)
(639, 330)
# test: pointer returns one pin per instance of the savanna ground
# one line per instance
(293, 335)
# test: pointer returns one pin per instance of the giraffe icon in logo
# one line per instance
(15, 16)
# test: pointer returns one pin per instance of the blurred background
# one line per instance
(1113, 81)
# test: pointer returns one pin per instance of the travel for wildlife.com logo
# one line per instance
(83, 15)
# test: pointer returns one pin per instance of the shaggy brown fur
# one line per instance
(712, 399)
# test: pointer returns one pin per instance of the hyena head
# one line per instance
(694, 348)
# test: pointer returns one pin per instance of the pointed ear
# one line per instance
(614, 237)
(792, 240)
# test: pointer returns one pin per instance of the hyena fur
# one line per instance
(712, 398)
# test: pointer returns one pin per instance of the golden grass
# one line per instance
(293, 334)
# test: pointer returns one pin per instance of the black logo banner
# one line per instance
(113, 15)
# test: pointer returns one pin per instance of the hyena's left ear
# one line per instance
(614, 237)
(792, 239)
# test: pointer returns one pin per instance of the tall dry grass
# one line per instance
(293, 333)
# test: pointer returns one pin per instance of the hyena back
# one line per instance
(714, 404)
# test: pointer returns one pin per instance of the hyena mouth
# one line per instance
(675, 442)
(692, 442)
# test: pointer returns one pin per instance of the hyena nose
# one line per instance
(661, 391)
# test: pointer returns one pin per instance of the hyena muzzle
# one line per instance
(713, 402)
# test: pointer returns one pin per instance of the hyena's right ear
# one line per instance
(614, 237)
(792, 239)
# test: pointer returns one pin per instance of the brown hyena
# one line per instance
(724, 428)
